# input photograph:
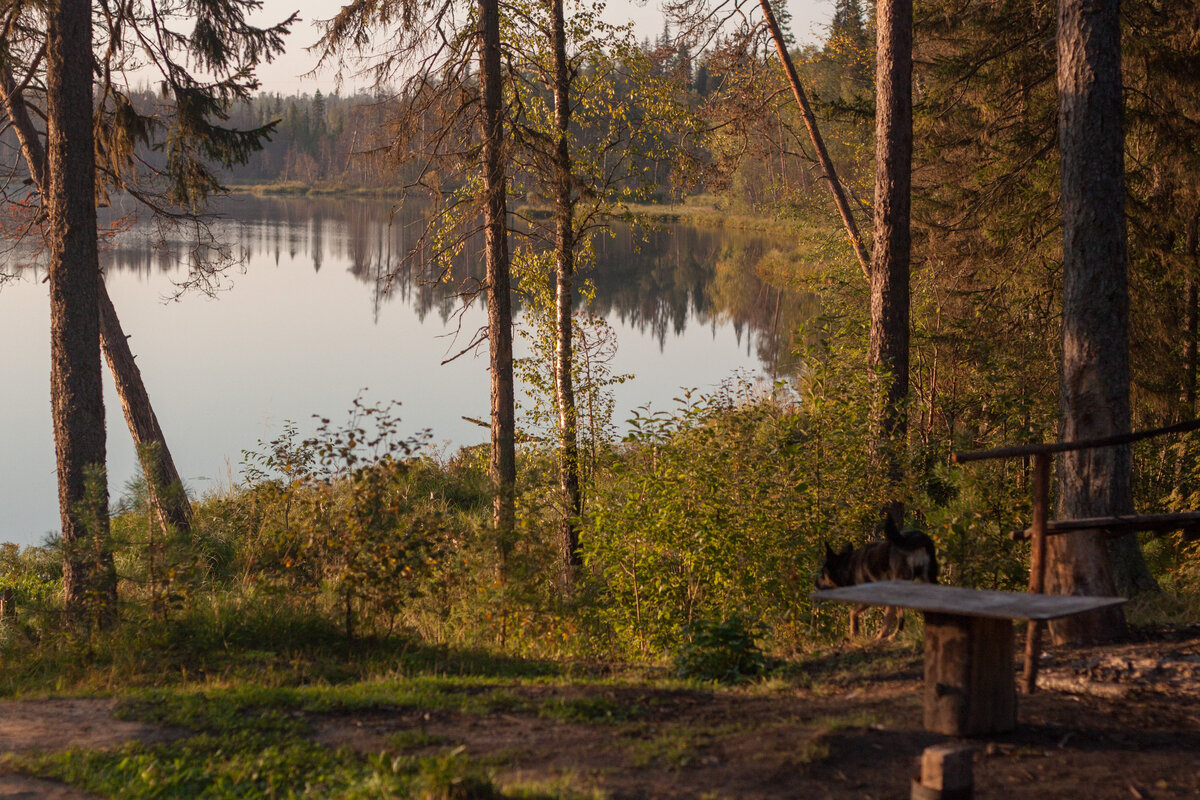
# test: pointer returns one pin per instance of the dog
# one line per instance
(902, 555)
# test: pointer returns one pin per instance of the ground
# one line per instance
(1121, 721)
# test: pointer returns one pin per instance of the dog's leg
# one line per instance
(854, 614)
(889, 621)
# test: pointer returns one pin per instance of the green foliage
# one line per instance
(343, 513)
(720, 508)
(594, 346)
(726, 651)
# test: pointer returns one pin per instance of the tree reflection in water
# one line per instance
(658, 280)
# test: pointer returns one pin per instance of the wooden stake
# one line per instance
(1037, 565)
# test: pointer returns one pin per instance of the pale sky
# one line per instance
(808, 20)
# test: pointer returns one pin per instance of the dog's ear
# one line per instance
(828, 551)
(889, 526)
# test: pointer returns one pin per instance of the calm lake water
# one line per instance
(304, 325)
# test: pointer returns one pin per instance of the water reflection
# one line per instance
(657, 281)
(313, 320)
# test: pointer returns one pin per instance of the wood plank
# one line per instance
(965, 602)
(1129, 522)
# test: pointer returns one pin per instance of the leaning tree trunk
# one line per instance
(1094, 383)
(163, 484)
(818, 143)
(77, 404)
(888, 339)
(162, 479)
(564, 263)
(503, 467)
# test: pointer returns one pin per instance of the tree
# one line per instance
(591, 111)
(564, 270)
(441, 101)
(503, 467)
(1094, 382)
(89, 579)
(164, 487)
(849, 44)
(814, 133)
(888, 356)
(191, 135)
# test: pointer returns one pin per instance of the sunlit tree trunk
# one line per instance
(162, 479)
(1094, 382)
(888, 356)
(77, 405)
(564, 262)
(503, 468)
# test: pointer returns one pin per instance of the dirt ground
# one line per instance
(28, 725)
(1121, 721)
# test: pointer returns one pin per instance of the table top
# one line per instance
(966, 602)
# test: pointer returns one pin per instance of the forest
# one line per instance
(995, 205)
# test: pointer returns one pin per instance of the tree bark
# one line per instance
(1094, 381)
(814, 134)
(503, 466)
(564, 270)
(163, 484)
(162, 479)
(77, 405)
(888, 357)
(1191, 314)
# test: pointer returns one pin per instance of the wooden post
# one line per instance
(969, 687)
(8, 608)
(946, 773)
(1037, 565)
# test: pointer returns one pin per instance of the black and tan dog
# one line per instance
(902, 555)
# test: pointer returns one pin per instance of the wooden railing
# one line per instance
(1042, 527)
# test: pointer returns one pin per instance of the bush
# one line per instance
(724, 651)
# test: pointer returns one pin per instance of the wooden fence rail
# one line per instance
(1042, 526)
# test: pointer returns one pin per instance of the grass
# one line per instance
(253, 744)
(255, 741)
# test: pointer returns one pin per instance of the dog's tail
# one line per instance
(906, 539)
(910, 541)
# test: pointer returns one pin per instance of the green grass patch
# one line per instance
(254, 742)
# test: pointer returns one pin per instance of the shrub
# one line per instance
(724, 651)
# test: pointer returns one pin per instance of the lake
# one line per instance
(305, 323)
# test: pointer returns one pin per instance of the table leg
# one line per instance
(969, 685)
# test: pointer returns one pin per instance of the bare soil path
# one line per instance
(60, 724)
(1112, 722)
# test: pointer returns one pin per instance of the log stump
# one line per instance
(946, 773)
(969, 684)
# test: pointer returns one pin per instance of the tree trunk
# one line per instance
(814, 134)
(77, 404)
(162, 479)
(564, 269)
(1094, 382)
(503, 467)
(888, 339)
(1191, 314)
(163, 484)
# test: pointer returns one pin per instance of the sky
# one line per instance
(284, 75)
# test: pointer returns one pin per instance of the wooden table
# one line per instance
(969, 685)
